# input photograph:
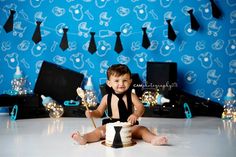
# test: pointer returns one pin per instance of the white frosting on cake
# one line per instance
(125, 133)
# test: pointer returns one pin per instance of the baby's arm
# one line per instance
(139, 109)
(98, 113)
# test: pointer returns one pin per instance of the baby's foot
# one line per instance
(159, 140)
(78, 138)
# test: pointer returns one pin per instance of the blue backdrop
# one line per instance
(206, 58)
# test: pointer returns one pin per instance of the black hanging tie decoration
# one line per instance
(216, 13)
(8, 26)
(118, 44)
(64, 41)
(171, 32)
(37, 34)
(92, 44)
(145, 41)
(194, 23)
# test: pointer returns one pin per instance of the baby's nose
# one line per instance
(121, 83)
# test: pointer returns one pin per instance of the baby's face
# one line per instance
(120, 84)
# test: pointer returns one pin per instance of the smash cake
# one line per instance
(118, 134)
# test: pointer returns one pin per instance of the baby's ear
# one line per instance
(108, 83)
(130, 81)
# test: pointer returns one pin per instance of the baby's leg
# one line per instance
(93, 136)
(142, 132)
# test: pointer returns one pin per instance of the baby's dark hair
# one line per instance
(118, 70)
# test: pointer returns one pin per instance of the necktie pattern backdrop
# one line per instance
(90, 35)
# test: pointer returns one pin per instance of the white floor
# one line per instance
(196, 137)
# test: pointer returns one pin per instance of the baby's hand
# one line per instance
(132, 119)
(88, 113)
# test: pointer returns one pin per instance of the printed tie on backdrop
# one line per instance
(37, 34)
(8, 26)
(171, 33)
(118, 44)
(92, 44)
(64, 41)
(216, 13)
(145, 41)
(194, 23)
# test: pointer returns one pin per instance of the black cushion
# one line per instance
(58, 82)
